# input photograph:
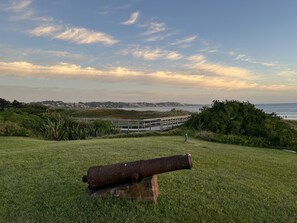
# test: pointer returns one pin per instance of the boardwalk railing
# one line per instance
(139, 125)
(154, 124)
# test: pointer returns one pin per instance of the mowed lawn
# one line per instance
(41, 182)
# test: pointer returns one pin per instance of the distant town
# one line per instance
(110, 104)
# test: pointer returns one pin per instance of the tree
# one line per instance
(17, 104)
(4, 104)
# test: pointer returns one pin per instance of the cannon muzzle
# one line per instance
(103, 176)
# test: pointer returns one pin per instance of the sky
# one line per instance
(189, 51)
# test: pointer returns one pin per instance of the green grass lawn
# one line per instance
(41, 182)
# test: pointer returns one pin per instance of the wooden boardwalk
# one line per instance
(154, 124)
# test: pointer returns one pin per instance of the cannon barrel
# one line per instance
(102, 176)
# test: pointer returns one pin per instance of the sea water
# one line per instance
(284, 110)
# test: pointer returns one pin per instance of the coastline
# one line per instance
(287, 111)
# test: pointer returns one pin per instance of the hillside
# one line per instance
(41, 182)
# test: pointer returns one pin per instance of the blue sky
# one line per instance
(190, 51)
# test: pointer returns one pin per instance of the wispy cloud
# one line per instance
(23, 10)
(45, 30)
(183, 41)
(174, 78)
(105, 9)
(197, 58)
(155, 38)
(61, 70)
(24, 53)
(278, 87)
(248, 59)
(61, 54)
(18, 5)
(159, 36)
(154, 27)
(76, 35)
(132, 20)
(20, 10)
(85, 36)
(147, 53)
(201, 64)
(112, 8)
(210, 50)
(172, 55)
(288, 73)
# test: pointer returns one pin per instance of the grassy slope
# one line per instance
(41, 182)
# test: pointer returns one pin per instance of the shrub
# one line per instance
(242, 123)
(77, 129)
(55, 127)
(61, 127)
(102, 127)
(13, 129)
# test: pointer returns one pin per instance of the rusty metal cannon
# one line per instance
(115, 175)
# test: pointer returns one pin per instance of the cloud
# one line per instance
(60, 70)
(244, 76)
(222, 70)
(26, 15)
(154, 54)
(23, 10)
(288, 73)
(155, 38)
(202, 81)
(55, 53)
(154, 28)
(184, 40)
(76, 35)
(120, 74)
(278, 87)
(21, 53)
(147, 54)
(173, 55)
(159, 36)
(249, 59)
(197, 58)
(17, 6)
(61, 54)
(210, 50)
(132, 20)
(44, 30)
(66, 70)
(85, 36)
(112, 8)
(201, 64)
(231, 53)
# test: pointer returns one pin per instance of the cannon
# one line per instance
(99, 177)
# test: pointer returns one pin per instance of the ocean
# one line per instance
(284, 110)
